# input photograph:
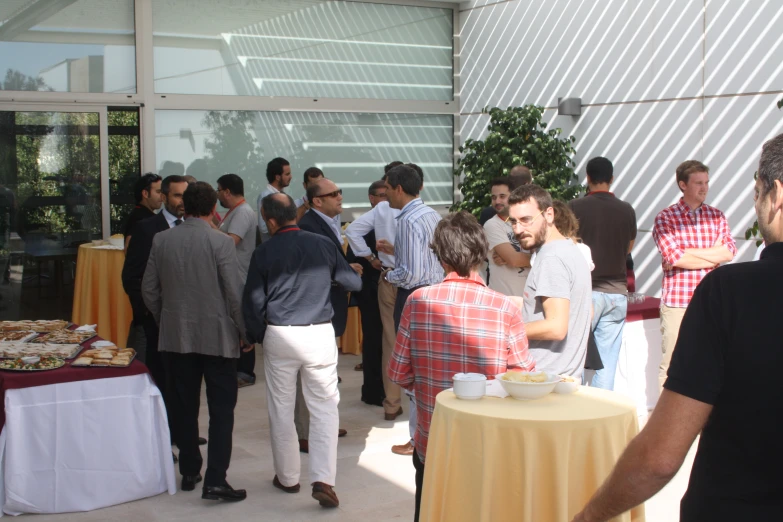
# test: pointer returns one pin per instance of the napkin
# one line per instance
(87, 328)
(108, 247)
(495, 389)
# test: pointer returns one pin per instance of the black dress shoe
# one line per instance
(189, 482)
(202, 441)
(223, 493)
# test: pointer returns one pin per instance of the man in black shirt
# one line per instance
(724, 382)
(148, 200)
(287, 307)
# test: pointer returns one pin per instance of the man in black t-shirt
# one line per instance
(148, 200)
(724, 382)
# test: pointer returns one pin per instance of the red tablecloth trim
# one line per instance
(68, 373)
(650, 308)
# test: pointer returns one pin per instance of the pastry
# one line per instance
(82, 361)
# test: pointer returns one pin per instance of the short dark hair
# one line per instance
(771, 163)
(418, 171)
(599, 170)
(459, 241)
(527, 192)
(391, 165)
(406, 177)
(375, 186)
(275, 168)
(501, 180)
(199, 168)
(274, 207)
(313, 173)
(168, 180)
(199, 199)
(144, 183)
(233, 183)
(520, 175)
(686, 168)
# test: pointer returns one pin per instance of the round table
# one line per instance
(98, 296)
(508, 460)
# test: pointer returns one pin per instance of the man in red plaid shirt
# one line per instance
(455, 326)
(693, 239)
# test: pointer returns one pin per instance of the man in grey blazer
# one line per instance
(192, 288)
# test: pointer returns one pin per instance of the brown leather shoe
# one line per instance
(392, 416)
(304, 446)
(403, 449)
(359, 367)
(325, 495)
(288, 489)
(342, 433)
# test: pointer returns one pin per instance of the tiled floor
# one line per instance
(373, 484)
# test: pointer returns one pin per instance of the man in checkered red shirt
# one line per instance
(693, 239)
(455, 326)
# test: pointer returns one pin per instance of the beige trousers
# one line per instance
(671, 318)
(387, 294)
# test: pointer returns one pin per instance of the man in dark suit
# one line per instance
(136, 257)
(326, 205)
(372, 326)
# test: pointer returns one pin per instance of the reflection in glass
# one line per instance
(124, 163)
(68, 46)
(49, 204)
(307, 48)
(350, 148)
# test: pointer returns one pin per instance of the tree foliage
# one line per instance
(517, 136)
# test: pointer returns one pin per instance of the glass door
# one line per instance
(53, 189)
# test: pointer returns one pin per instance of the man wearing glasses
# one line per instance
(557, 294)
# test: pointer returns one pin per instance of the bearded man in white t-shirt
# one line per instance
(509, 265)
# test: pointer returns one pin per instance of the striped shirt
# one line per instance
(415, 264)
(678, 228)
(456, 326)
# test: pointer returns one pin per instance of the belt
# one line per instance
(309, 324)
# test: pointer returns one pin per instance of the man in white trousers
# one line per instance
(287, 307)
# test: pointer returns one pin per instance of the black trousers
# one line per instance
(399, 303)
(372, 344)
(154, 361)
(247, 365)
(220, 374)
(419, 465)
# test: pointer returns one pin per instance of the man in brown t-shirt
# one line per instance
(608, 226)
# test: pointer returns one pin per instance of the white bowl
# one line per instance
(568, 386)
(470, 386)
(31, 359)
(117, 241)
(525, 391)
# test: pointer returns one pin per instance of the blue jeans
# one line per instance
(609, 312)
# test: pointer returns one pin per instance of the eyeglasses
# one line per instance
(525, 221)
(334, 194)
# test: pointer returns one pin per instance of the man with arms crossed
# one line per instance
(693, 239)
(287, 307)
(727, 341)
(508, 264)
(557, 293)
(608, 226)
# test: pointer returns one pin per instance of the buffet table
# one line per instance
(523, 461)
(98, 296)
(78, 439)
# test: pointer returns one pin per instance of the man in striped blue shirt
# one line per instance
(415, 264)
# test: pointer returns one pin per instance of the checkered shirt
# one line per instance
(677, 228)
(455, 326)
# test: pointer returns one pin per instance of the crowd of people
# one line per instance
(534, 284)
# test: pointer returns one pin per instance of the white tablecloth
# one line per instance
(637, 367)
(84, 445)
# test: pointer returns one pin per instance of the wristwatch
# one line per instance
(373, 257)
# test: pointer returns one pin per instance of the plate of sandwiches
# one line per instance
(40, 326)
(20, 336)
(105, 357)
(13, 350)
(64, 337)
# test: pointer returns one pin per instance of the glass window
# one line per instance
(303, 49)
(351, 149)
(73, 46)
(124, 163)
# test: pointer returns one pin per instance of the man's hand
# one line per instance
(497, 259)
(357, 268)
(384, 246)
(246, 347)
(376, 264)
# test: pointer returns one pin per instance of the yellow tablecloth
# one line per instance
(497, 460)
(98, 296)
(351, 340)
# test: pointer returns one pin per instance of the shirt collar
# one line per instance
(685, 209)
(170, 218)
(323, 216)
(272, 189)
(410, 206)
(472, 278)
(774, 250)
